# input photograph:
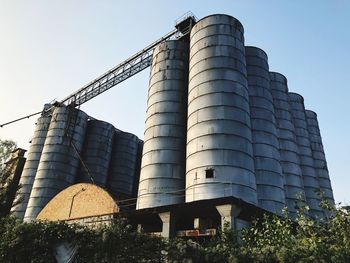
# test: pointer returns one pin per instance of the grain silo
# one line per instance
(31, 166)
(97, 152)
(268, 171)
(288, 147)
(59, 160)
(219, 142)
(162, 178)
(224, 140)
(123, 165)
(320, 163)
(310, 179)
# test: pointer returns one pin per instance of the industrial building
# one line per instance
(224, 141)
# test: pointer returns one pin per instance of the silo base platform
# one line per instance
(199, 218)
(90, 205)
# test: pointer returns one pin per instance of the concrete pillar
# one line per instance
(168, 228)
(228, 214)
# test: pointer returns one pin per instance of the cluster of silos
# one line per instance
(218, 124)
(246, 137)
(68, 147)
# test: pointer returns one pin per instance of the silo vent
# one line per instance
(209, 173)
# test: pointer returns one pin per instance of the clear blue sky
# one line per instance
(49, 49)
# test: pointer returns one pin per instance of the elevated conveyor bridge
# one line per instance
(128, 68)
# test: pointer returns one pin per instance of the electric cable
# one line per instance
(19, 119)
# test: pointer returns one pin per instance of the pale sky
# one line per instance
(49, 49)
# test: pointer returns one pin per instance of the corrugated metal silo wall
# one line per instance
(288, 147)
(59, 161)
(268, 171)
(320, 163)
(138, 168)
(31, 166)
(97, 152)
(219, 142)
(162, 178)
(123, 165)
(311, 184)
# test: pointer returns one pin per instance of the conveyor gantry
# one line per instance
(123, 71)
(129, 67)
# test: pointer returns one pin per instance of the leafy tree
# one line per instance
(6, 147)
(8, 187)
(34, 242)
(269, 239)
(279, 239)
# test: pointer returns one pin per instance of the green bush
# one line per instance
(270, 239)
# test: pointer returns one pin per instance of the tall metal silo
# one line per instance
(288, 147)
(97, 152)
(310, 179)
(59, 160)
(219, 142)
(31, 166)
(268, 171)
(162, 178)
(320, 163)
(123, 164)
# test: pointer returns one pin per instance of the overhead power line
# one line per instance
(25, 117)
